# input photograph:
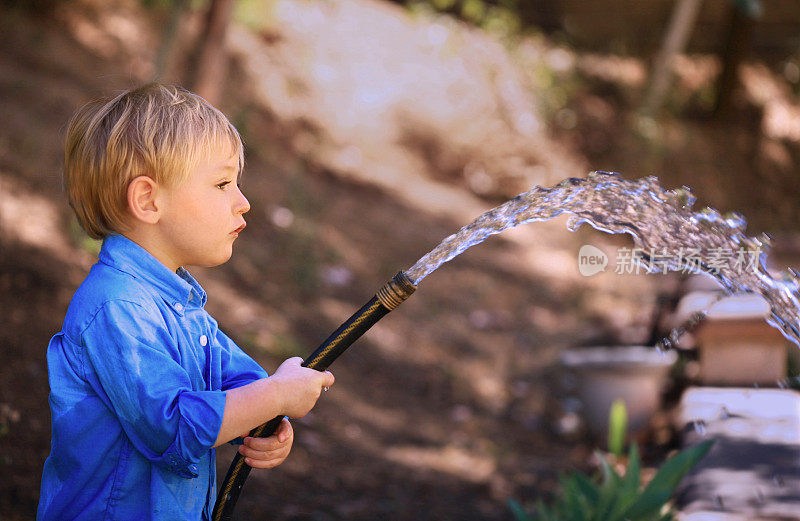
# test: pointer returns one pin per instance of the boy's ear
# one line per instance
(142, 200)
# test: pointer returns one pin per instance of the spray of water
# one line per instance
(667, 234)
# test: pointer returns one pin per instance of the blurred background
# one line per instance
(374, 129)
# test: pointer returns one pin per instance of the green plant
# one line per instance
(617, 427)
(613, 497)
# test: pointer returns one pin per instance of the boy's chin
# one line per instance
(210, 262)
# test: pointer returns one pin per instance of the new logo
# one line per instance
(591, 260)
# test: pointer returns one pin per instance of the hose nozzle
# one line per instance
(394, 292)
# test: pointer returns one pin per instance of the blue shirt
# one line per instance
(138, 375)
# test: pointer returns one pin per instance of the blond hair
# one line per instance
(160, 131)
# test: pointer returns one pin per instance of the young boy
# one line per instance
(143, 383)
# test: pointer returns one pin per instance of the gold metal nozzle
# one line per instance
(394, 292)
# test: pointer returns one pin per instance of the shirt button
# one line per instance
(203, 340)
(178, 307)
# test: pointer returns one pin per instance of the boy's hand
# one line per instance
(266, 453)
(299, 387)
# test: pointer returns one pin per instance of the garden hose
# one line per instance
(391, 295)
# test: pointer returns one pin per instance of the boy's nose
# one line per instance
(242, 204)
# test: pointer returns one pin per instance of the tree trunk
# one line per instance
(167, 45)
(675, 40)
(736, 47)
(211, 58)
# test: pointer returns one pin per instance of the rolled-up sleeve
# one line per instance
(130, 359)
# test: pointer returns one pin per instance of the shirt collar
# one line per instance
(178, 289)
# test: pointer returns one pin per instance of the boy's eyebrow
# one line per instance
(224, 170)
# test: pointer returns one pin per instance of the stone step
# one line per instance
(753, 470)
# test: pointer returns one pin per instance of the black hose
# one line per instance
(391, 295)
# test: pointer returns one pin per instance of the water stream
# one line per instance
(667, 233)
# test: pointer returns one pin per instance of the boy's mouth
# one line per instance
(239, 229)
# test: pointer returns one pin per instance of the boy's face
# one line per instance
(202, 216)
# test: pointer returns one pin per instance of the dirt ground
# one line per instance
(418, 425)
(442, 411)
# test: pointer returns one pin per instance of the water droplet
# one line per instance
(759, 496)
(683, 197)
(724, 414)
(783, 384)
(718, 501)
(695, 320)
(778, 480)
(700, 427)
(735, 221)
(662, 346)
(755, 385)
(573, 223)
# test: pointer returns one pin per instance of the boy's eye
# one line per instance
(223, 184)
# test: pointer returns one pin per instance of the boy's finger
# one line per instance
(262, 464)
(262, 455)
(328, 379)
(262, 444)
(284, 431)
